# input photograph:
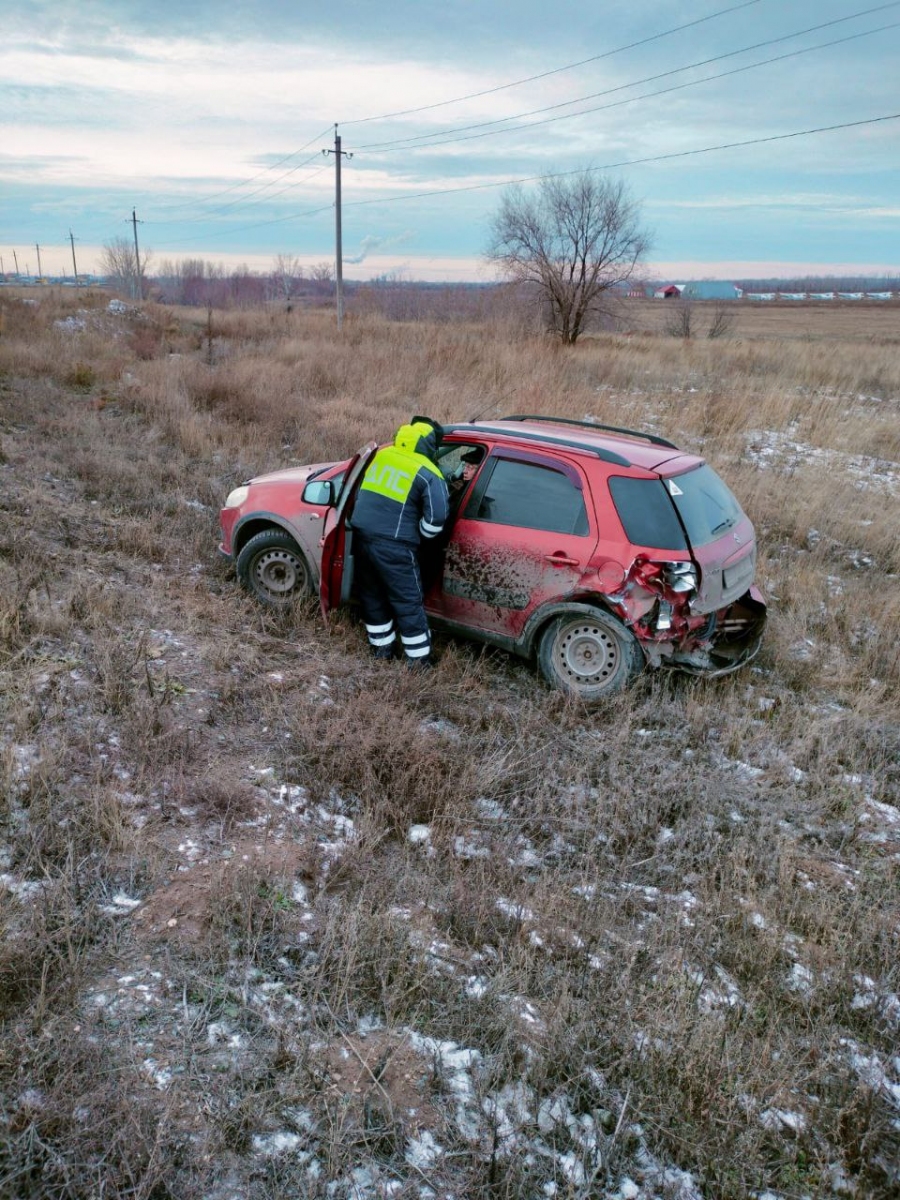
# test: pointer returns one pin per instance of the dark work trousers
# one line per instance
(390, 589)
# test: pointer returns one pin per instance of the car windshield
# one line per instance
(705, 504)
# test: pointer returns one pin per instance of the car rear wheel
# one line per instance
(272, 568)
(589, 655)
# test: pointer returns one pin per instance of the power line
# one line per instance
(423, 137)
(244, 182)
(632, 162)
(646, 95)
(442, 138)
(223, 208)
(310, 212)
(407, 112)
(443, 103)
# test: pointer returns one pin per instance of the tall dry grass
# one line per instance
(673, 918)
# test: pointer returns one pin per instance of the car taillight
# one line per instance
(680, 576)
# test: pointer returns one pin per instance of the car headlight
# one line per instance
(236, 498)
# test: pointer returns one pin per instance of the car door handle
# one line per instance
(560, 560)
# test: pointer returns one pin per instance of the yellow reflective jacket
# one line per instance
(403, 495)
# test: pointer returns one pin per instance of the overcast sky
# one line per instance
(209, 121)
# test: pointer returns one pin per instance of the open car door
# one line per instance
(336, 578)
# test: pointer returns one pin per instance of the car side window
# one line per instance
(529, 496)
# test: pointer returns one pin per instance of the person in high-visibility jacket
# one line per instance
(403, 498)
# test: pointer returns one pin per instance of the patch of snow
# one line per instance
(369, 1024)
(887, 812)
(780, 1118)
(800, 979)
(455, 1064)
(423, 1151)
(70, 324)
(218, 1033)
(469, 848)
(270, 1145)
(489, 809)
(292, 796)
(23, 888)
(726, 995)
(159, 1076)
(872, 1072)
(517, 911)
(441, 726)
(745, 770)
(779, 451)
(527, 856)
(627, 1190)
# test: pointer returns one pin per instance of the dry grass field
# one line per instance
(278, 921)
(872, 322)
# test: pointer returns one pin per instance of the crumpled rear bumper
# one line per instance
(732, 643)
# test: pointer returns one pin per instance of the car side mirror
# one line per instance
(319, 492)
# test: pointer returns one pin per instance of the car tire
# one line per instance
(589, 655)
(272, 568)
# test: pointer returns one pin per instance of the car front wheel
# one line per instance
(589, 655)
(272, 568)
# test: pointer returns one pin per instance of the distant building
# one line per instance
(669, 291)
(710, 289)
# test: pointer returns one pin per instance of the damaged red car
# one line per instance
(595, 550)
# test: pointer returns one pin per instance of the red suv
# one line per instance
(595, 549)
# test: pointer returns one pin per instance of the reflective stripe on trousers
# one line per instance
(390, 590)
(381, 635)
(418, 646)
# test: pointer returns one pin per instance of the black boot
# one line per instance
(425, 663)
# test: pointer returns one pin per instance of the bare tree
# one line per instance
(721, 321)
(680, 318)
(572, 239)
(119, 263)
(286, 274)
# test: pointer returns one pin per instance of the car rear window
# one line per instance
(646, 512)
(705, 504)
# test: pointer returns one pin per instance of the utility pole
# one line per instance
(74, 267)
(138, 289)
(40, 269)
(16, 261)
(338, 250)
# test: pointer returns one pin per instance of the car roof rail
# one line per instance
(647, 437)
(601, 452)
